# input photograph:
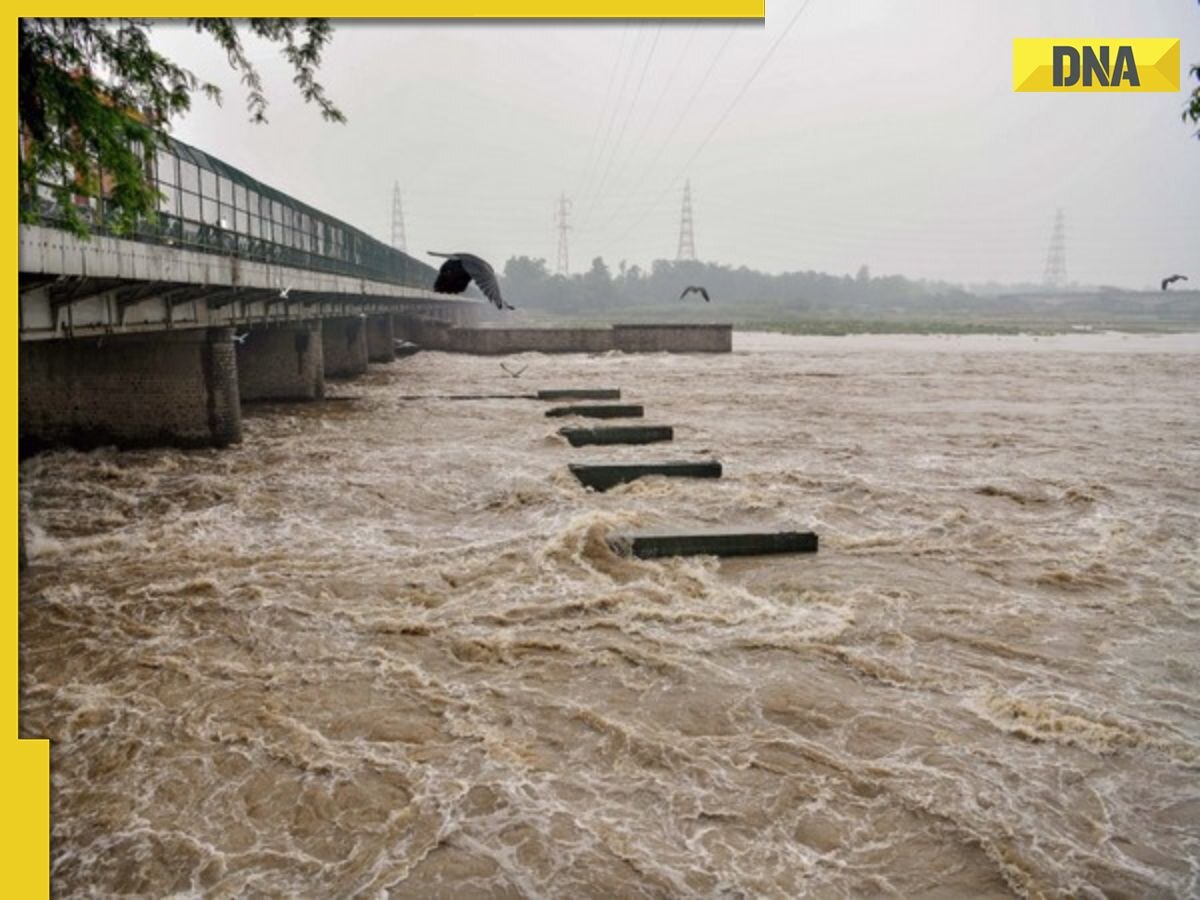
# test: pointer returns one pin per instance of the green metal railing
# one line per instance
(208, 205)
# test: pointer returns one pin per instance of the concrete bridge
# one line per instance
(235, 292)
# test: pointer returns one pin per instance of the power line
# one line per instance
(614, 111)
(725, 115)
(675, 126)
(612, 78)
(625, 122)
(653, 116)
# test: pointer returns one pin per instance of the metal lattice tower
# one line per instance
(1055, 276)
(398, 239)
(561, 212)
(687, 240)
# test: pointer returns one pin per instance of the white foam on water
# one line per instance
(384, 647)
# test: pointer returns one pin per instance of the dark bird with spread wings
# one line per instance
(460, 269)
(1171, 279)
(695, 289)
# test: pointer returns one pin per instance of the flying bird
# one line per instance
(284, 292)
(241, 338)
(516, 374)
(1172, 279)
(695, 289)
(460, 269)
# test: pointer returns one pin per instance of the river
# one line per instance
(381, 648)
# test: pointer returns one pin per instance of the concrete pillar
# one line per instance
(405, 327)
(177, 388)
(282, 362)
(381, 338)
(344, 346)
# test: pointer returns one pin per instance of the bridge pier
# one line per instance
(177, 388)
(344, 346)
(282, 362)
(381, 338)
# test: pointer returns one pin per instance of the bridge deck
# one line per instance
(70, 286)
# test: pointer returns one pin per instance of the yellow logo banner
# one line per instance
(1095, 64)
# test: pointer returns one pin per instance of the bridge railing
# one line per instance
(207, 205)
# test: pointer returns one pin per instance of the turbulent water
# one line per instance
(383, 649)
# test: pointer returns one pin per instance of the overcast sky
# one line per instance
(884, 133)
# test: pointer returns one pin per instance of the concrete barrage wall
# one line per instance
(282, 362)
(495, 341)
(673, 338)
(176, 388)
(625, 338)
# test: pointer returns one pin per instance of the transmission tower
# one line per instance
(1055, 276)
(398, 239)
(687, 242)
(561, 211)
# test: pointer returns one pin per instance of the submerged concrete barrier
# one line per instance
(580, 394)
(648, 545)
(599, 411)
(618, 434)
(601, 477)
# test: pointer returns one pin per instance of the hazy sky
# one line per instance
(884, 133)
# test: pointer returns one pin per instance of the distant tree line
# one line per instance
(530, 284)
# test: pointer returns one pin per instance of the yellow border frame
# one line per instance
(26, 764)
(495, 9)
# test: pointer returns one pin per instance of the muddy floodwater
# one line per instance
(382, 647)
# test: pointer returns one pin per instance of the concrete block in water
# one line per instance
(648, 545)
(618, 434)
(599, 411)
(603, 476)
(580, 394)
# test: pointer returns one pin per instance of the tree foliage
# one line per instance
(1192, 110)
(821, 300)
(599, 294)
(95, 100)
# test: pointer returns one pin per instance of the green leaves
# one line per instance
(96, 100)
(1192, 110)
